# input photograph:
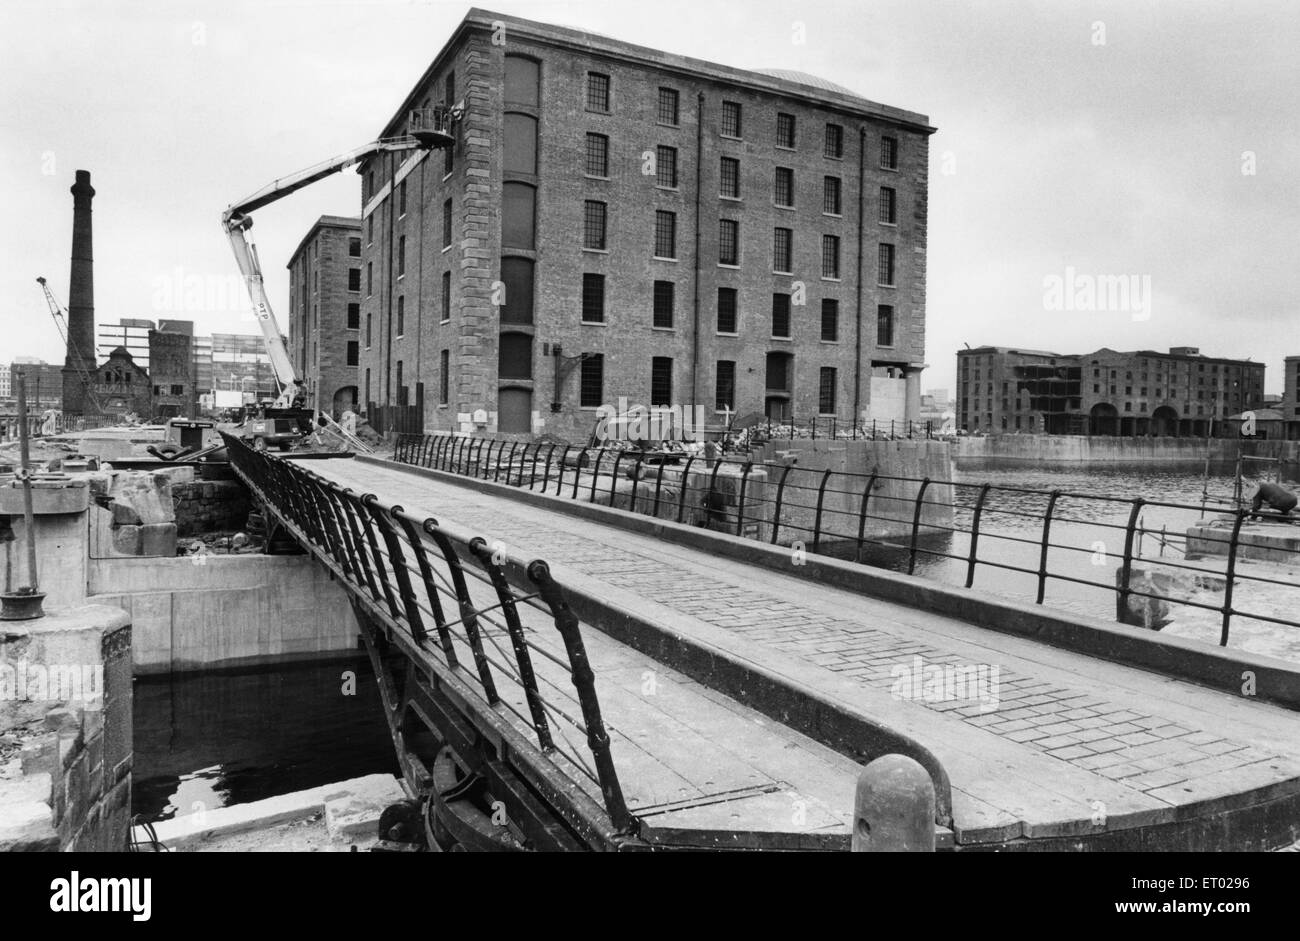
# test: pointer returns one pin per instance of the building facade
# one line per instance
(171, 374)
(614, 222)
(240, 364)
(44, 384)
(1178, 393)
(325, 312)
(122, 387)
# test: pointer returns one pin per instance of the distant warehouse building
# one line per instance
(1180, 393)
(619, 222)
(325, 312)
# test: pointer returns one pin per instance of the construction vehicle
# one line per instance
(61, 321)
(427, 128)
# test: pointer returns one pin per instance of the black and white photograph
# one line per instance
(846, 426)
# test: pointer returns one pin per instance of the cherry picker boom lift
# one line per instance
(427, 129)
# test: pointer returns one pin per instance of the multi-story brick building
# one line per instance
(325, 312)
(614, 221)
(1002, 390)
(171, 374)
(44, 383)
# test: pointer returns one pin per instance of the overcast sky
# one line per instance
(1142, 138)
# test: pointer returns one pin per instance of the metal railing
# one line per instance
(458, 598)
(903, 523)
(830, 426)
(36, 425)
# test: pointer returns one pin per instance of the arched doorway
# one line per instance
(1164, 422)
(1103, 420)
(344, 399)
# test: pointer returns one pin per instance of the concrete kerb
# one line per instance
(1227, 670)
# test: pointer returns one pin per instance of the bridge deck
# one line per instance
(1072, 740)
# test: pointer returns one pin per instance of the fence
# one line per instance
(63, 424)
(904, 522)
(454, 597)
(829, 426)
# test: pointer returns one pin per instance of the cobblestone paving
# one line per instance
(1141, 750)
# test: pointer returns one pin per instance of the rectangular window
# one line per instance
(665, 294)
(785, 130)
(591, 384)
(725, 395)
(354, 248)
(367, 398)
(884, 325)
(826, 391)
(354, 316)
(782, 260)
(597, 155)
(354, 353)
(728, 242)
(830, 256)
(831, 195)
(401, 317)
(727, 310)
(665, 234)
(444, 376)
(370, 278)
(885, 265)
(834, 141)
(354, 279)
(781, 316)
(783, 187)
(830, 319)
(668, 100)
(888, 205)
(666, 165)
(401, 255)
(368, 320)
(731, 119)
(446, 296)
(889, 153)
(446, 224)
(401, 199)
(449, 89)
(598, 92)
(593, 298)
(661, 381)
(593, 225)
(448, 160)
(729, 177)
(370, 228)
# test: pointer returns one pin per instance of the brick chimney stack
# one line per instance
(81, 301)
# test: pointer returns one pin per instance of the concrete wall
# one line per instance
(893, 502)
(60, 523)
(206, 611)
(1013, 451)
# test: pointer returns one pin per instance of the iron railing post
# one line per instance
(862, 516)
(916, 521)
(1126, 569)
(975, 535)
(1047, 530)
(1230, 574)
(817, 519)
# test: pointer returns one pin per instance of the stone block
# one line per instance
(125, 515)
(128, 540)
(158, 539)
(28, 827)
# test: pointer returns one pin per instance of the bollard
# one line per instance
(893, 810)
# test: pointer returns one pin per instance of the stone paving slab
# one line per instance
(1059, 741)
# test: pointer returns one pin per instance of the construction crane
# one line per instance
(427, 128)
(61, 321)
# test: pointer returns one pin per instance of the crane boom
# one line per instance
(237, 222)
(60, 321)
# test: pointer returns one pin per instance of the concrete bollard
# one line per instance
(893, 810)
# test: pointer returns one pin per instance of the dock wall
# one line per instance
(1011, 452)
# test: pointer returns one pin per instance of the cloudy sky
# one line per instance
(1149, 139)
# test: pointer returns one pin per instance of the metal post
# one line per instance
(25, 603)
(776, 513)
(1126, 571)
(975, 535)
(740, 507)
(681, 494)
(862, 516)
(817, 520)
(1047, 529)
(1230, 574)
(916, 523)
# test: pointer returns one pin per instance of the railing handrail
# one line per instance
(860, 489)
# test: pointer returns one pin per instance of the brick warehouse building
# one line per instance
(615, 221)
(325, 312)
(1002, 390)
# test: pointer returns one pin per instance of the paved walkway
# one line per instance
(1058, 742)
